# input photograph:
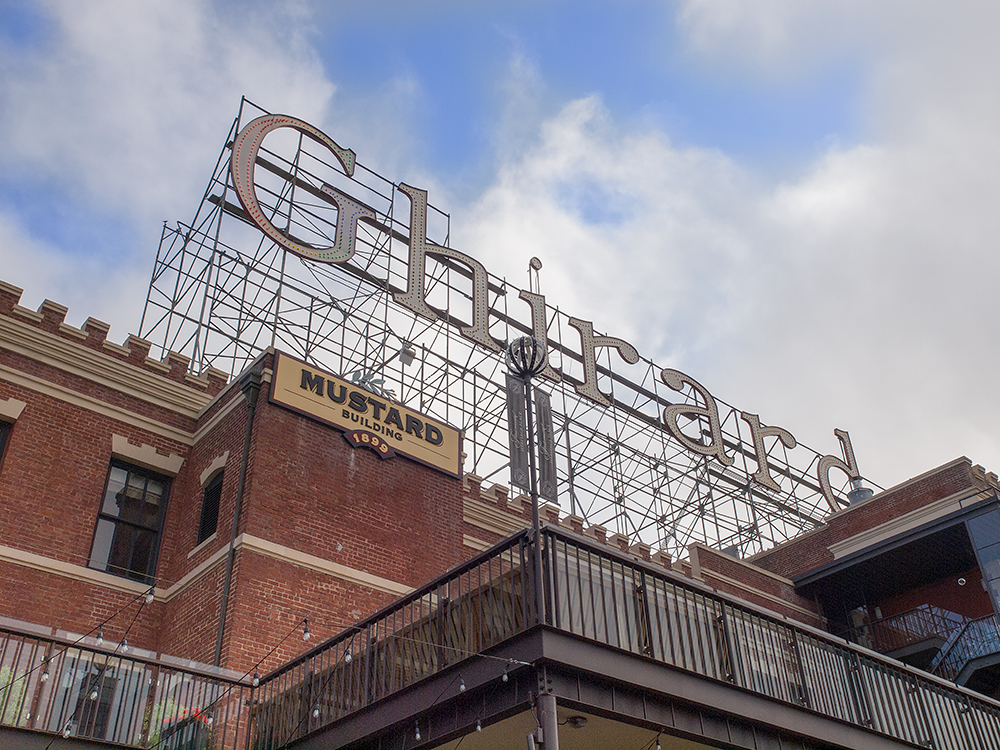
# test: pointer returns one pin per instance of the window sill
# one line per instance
(201, 546)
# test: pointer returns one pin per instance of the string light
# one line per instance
(461, 685)
(505, 676)
(316, 712)
(416, 734)
(348, 657)
(100, 637)
(256, 679)
(657, 742)
(149, 596)
(306, 635)
(124, 645)
(93, 694)
(67, 730)
(45, 676)
(479, 725)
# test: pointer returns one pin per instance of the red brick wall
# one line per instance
(306, 489)
(810, 551)
(753, 585)
(970, 600)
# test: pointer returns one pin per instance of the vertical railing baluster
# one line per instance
(727, 635)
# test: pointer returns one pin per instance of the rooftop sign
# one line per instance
(694, 423)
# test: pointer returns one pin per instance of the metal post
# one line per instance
(549, 721)
(251, 388)
(536, 525)
(525, 359)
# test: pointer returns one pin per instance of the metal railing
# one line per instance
(977, 638)
(609, 598)
(114, 696)
(469, 609)
(906, 628)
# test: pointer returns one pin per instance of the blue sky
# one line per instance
(793, 202)
(631, 53)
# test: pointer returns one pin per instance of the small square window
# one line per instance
(129, 523)
(210, 508)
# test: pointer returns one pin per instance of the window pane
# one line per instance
(990, 557)
(154, 491)
(116, 481)
(143, 547)
(994, 587)
(128, 529)
(210, 509)
(4, 431)
(102, 544)
(985, 529)
(119, 559)
(150, 514)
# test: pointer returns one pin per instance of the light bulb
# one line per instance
(416, 735)
(479, 725)
(306, 635)
(100, 637)
(505, 677)
(124, 646)
(461, 685)
(149, 596)
(348, 657)
(67, 729)
(45, 676)
(256, 679)
(316, 712)
(93, 694)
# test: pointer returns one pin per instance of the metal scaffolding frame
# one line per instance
(221, 292)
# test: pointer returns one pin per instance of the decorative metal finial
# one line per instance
(526, 357)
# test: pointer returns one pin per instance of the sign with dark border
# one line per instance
(339, 403)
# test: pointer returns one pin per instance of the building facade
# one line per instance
(141, 506)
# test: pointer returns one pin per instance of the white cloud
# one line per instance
(128, 103)
(89, 287)
(859, 294)
(881, 313)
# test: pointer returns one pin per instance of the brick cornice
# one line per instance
(96, 405)
(102, 369)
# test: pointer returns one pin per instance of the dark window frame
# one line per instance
(210, 503)
(156, 529)
(5, 429)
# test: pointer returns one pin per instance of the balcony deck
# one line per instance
(610, 626)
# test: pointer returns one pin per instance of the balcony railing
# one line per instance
(976, 639)
(472, 608)
(610, 599)
(906, 628)
(115, 697)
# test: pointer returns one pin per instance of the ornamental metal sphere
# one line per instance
(526, 357)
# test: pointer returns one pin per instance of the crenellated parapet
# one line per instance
(50, 318)
(492, 510)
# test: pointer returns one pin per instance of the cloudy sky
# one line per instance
(794, 202)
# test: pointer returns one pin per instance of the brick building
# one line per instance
(120, 480)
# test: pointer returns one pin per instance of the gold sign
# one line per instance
(339, 403)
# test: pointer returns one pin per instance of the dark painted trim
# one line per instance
(938, 524)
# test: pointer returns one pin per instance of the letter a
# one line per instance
(676, 380)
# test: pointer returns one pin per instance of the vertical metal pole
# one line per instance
(250, 388)
(548, 720)
(536, 526)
